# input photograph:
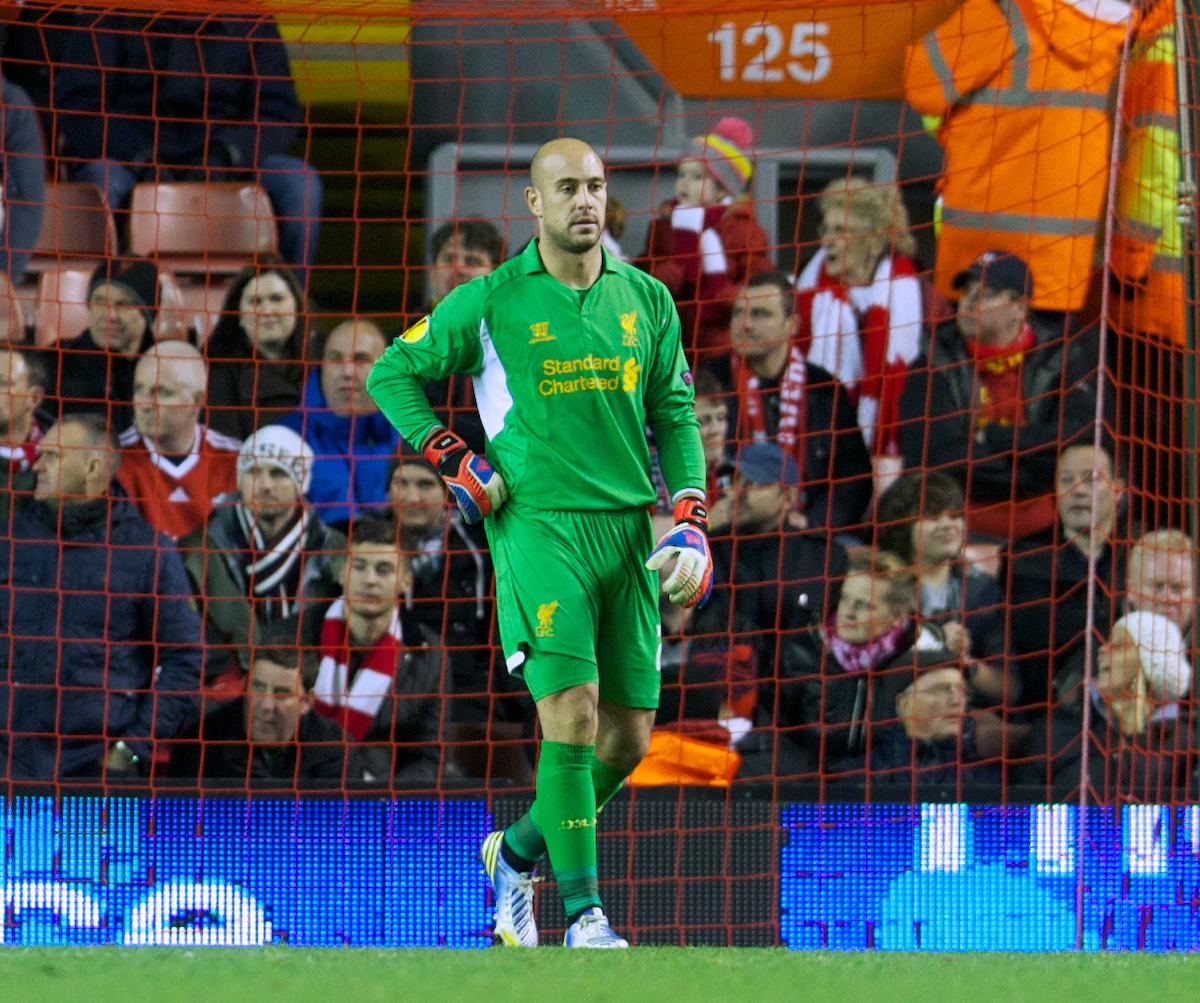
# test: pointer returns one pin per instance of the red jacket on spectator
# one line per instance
(177, 497)
(703, 275)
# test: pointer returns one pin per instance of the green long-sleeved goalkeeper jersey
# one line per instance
(565, 381)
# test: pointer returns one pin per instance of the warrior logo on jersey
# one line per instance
(629, 325)
(540, 332)
(545, 616)
(416, 332)
(629, 375)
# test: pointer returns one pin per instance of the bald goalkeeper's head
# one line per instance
(568, 194)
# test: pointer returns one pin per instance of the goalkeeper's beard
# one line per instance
(565, 241)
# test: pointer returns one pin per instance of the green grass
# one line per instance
(646, 975)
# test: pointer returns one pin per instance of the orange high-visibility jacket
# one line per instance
(1022, 88)
(1147, 247)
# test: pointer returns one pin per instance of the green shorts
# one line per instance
(576, 603)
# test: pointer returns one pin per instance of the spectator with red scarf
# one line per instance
(994, 397)
(799, 405)
(380, 675)
(706, 241)
(860, 301)
(22, 386)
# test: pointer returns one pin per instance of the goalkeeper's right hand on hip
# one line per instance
(691, 582)
(477, 487)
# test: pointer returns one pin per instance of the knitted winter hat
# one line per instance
(137, 276)
(1160, 650)
(726, 153)
(280, 447)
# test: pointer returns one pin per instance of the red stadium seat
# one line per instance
(76, 224)
(61, 305)
(199, 228)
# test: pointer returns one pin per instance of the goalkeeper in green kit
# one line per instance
(572, 354)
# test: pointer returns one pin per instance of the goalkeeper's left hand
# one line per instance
(691, 582)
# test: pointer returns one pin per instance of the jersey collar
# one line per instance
(531, 260)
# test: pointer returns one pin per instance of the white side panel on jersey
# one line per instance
(491, 387)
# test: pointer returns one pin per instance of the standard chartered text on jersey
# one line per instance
(625, 382)
(589, 363)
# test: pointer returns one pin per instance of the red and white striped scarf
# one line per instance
(751, 415)
(866, 336)
(353, 703)
(24, 455)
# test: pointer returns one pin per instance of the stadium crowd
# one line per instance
(221, 562)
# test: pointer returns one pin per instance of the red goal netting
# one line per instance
(934, 264)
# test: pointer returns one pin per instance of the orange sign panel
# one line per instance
(819, 52)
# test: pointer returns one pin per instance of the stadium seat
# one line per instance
(62, 311)
(76, 224)
(202, 228)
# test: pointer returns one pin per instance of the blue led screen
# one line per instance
(940, 877)
(950, 877)
(236, 872)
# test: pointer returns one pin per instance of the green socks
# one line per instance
(607, 780)
(565, 811)
(524, 843)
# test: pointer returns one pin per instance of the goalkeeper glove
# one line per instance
(477, 488)
(691, 582)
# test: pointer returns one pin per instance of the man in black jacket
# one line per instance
(450, 594)
(993, 397)
(785, 399)
(922, 733)
(176, 96)
(271, 732)
(1049, 574)
(101, 652)
(94, 371)
(451, 572)
(772, 577)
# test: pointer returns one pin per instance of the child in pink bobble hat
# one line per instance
(706, 242)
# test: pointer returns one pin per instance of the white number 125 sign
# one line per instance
(810, 60)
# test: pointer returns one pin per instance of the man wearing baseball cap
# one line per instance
(264, 551)
(921, 732)
(992, 397)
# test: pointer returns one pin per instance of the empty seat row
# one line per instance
(199, 233)
(189, 227)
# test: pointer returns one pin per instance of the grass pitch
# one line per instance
(641, 975)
